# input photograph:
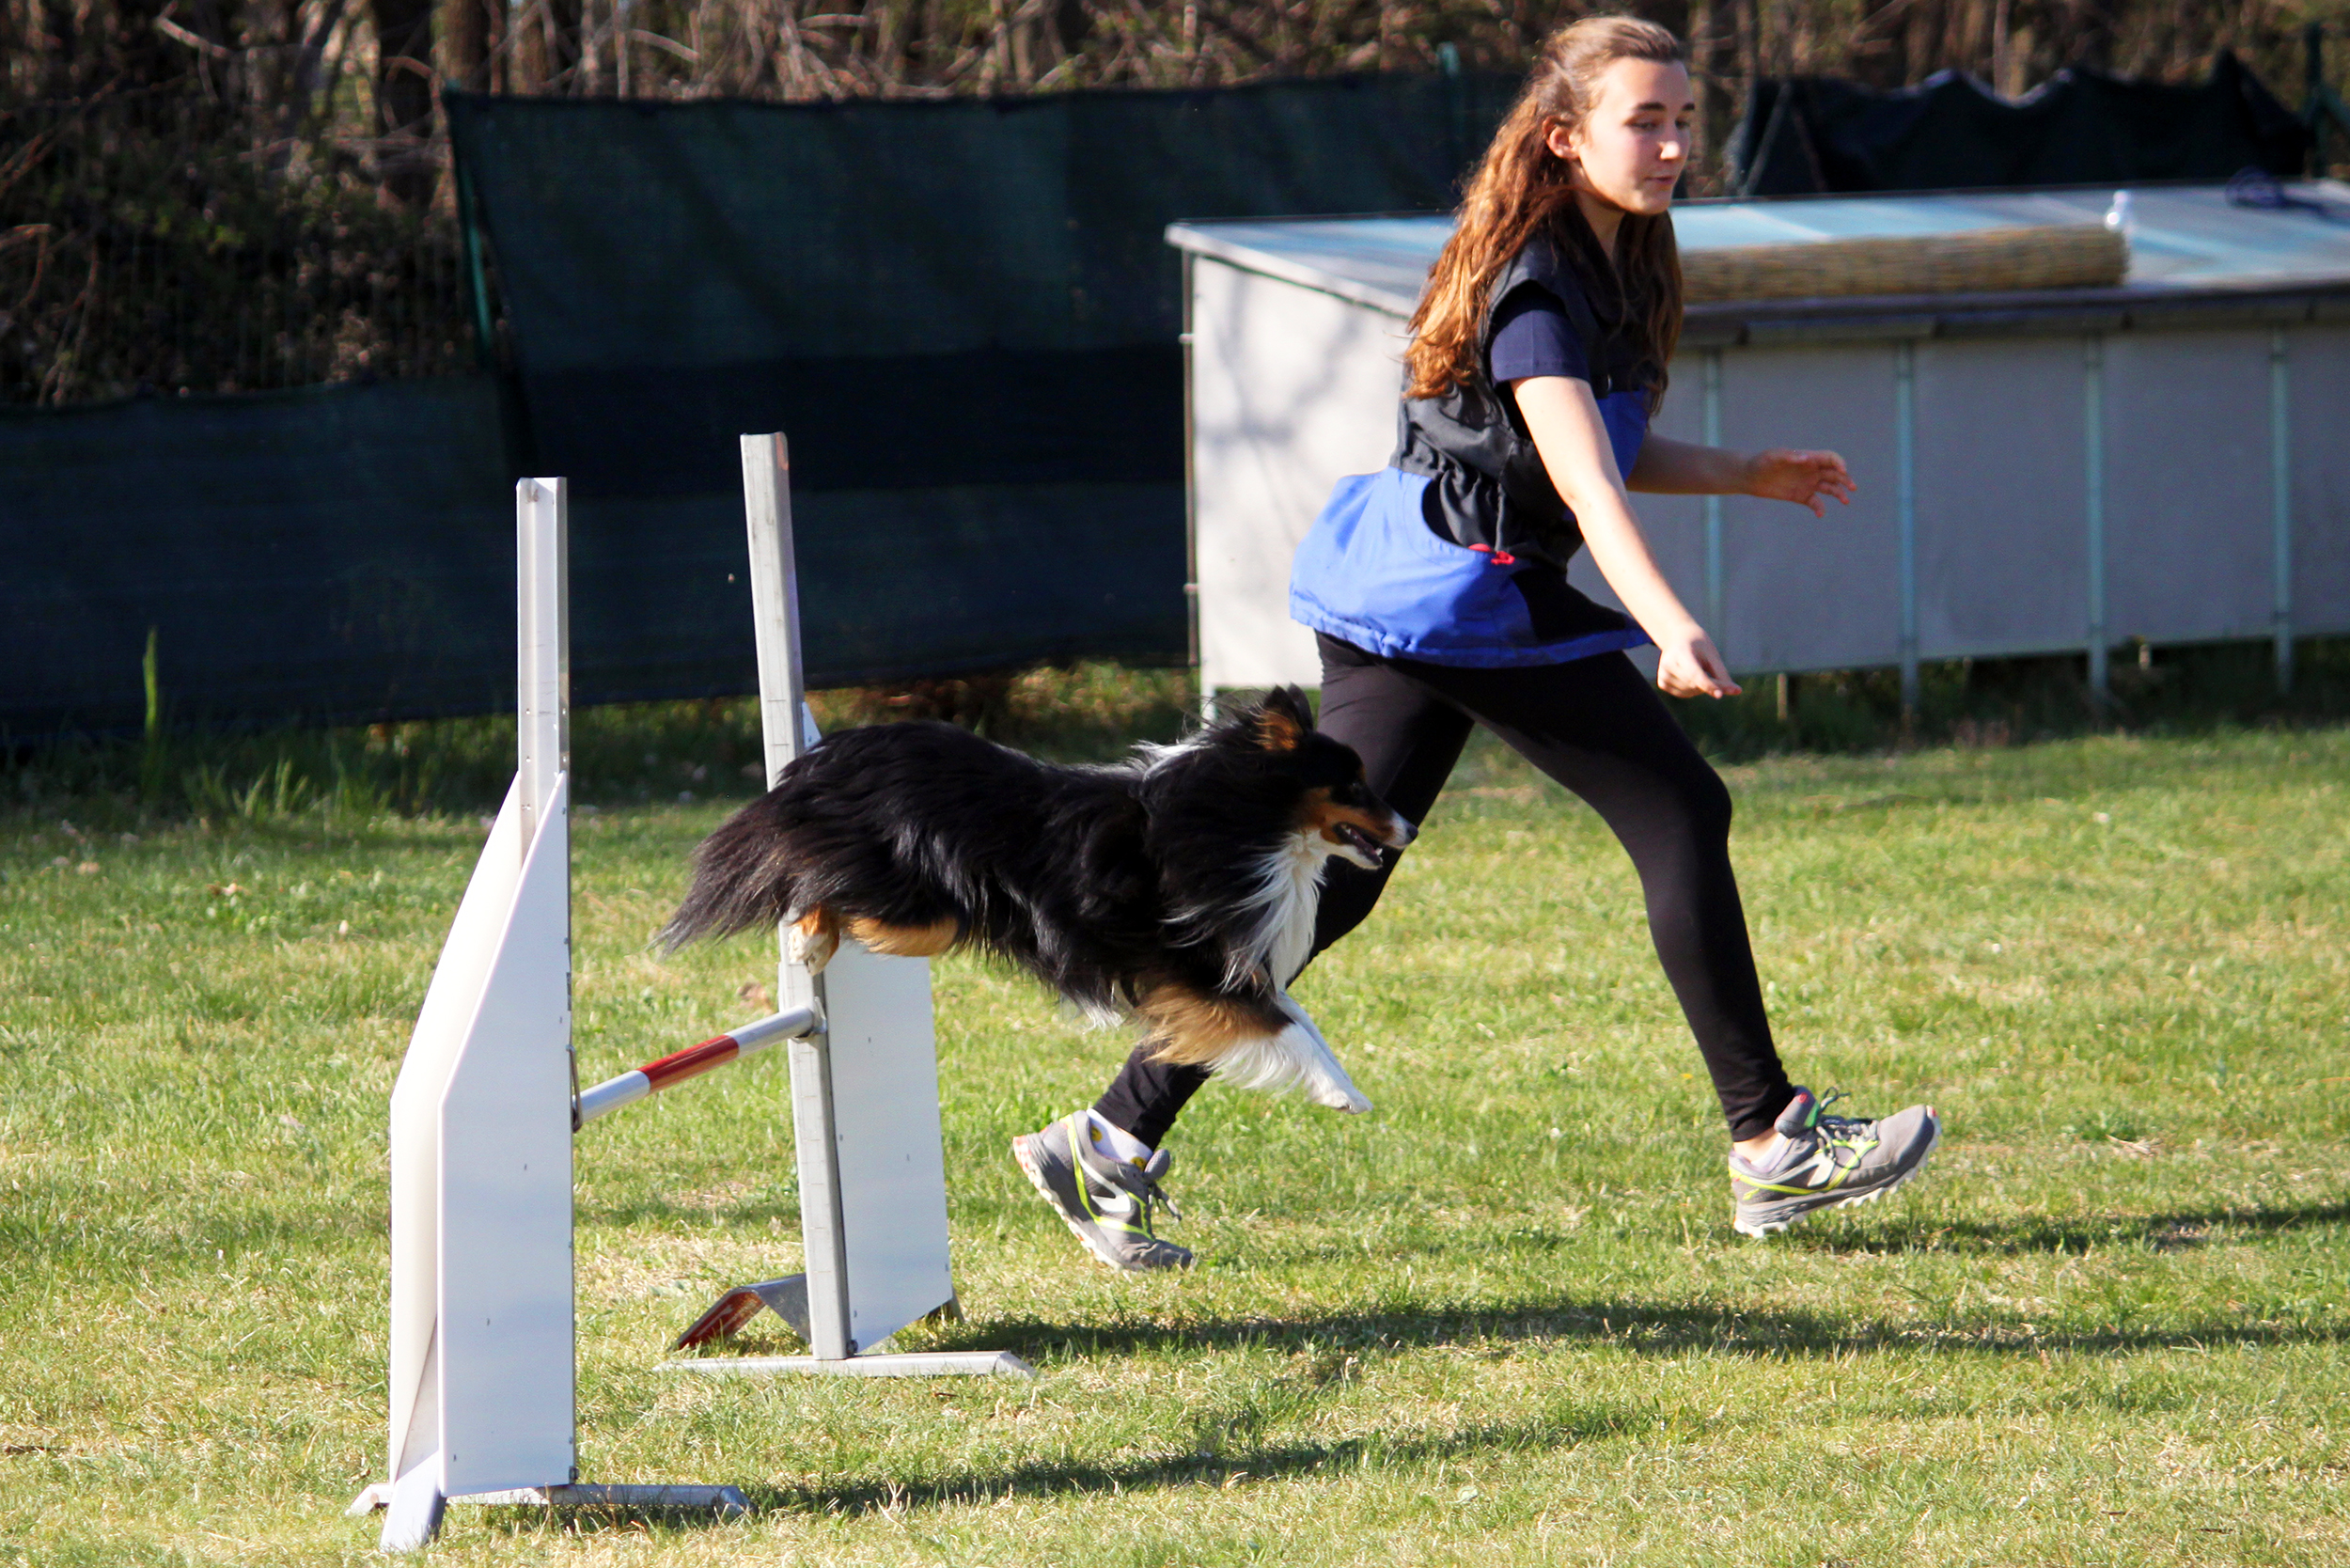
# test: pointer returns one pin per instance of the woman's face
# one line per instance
(1633, 144)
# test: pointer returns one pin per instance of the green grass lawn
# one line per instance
(1503, 1318)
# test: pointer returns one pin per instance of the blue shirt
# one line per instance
(1532, 336)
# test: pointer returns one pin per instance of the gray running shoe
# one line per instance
(1105, 1201)
(1829, 1161)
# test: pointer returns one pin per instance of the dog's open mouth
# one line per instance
(1356, 840)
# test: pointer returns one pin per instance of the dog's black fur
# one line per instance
(1142, 888)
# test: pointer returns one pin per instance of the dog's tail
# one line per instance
(744, 876)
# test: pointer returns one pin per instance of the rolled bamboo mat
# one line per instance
(1985, 260)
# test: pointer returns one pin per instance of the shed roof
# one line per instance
(2191, 252)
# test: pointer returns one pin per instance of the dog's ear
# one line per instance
(1283, 720)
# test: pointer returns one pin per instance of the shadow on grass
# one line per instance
(1735, 1329)
(1215, 1448)
(1213, 1451)
(2163, 1232)
(1669, 1328)
(1639, 1327)
(1215, 1445)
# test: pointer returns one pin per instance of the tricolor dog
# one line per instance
(1177, 889)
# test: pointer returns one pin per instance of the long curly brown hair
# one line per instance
(1522, 189)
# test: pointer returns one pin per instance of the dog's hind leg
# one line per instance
(814, 937)
(907, 941)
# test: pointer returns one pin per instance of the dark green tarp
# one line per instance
(1809, 134)
(964, 314)
(346, 551)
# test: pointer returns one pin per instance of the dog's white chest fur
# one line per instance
(1289, 896)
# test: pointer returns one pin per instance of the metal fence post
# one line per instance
(2094, 452)
(1905, 505)
(1191, 501)
(1712, 362)
(2280, 500)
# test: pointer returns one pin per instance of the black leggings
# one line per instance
(1598, 727)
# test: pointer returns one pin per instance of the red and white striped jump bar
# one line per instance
(695, 1061)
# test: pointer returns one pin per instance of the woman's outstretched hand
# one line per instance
(1803, 477)
(1687, 665)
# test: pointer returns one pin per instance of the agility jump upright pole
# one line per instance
(483, 1323)
(782, 702)
(542, 653)
(864, 1111)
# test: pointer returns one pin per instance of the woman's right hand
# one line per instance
(1688, 665)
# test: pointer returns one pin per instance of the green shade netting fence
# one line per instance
(964, 314)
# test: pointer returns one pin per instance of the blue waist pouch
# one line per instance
(1374, 573)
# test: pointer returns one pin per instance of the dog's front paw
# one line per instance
(1316, 1067)
(1337, 1097)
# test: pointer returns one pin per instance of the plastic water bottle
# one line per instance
(2119, 217)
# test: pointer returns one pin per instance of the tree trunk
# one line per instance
(1917, 48)
(403, 98)
(547, 47)
(1714, 53)
(466, 37)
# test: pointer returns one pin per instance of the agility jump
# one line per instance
(692, 1062)
(483, 1331)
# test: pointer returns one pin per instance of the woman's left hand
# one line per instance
(1687, 665)
(1803, 477)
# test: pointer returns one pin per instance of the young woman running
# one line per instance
(1438, 591)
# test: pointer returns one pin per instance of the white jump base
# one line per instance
(946, 1363)
(726, 1501)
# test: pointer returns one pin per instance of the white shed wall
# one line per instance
(2318, 376)
(1800, 592)
(2188, 550)
(2002, 496)
(1293, 387)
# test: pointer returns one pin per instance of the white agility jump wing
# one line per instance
(481, 1353)
(483, 1323)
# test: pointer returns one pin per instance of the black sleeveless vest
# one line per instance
(1487, 484)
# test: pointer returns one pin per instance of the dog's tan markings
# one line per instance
(907, 941)
(815, 937)
(1278, 731)
(1320, 814)
(1195, 1029)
